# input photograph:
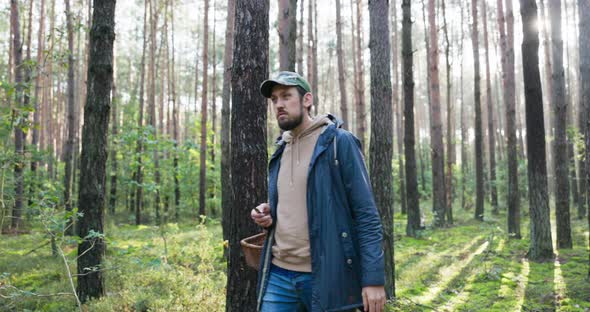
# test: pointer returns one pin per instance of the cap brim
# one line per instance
(267, 85)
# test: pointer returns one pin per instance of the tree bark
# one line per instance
(584, 103)
(299, 39)
(225, 120)
(450, 128)
(175, 117)
(479, 212)
(248, 149)
(94, 152)
(437, 146)
(152, 103)
(69, 146)
(341, 69)
(19, 135)
(413, 224)
(562, 211)
(541, 246)
(490, 109)
(203, 147)
(381, 144)
(361, 111)
(287, 34)
(138, 175)
(114, 132)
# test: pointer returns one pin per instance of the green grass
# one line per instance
(470, 266)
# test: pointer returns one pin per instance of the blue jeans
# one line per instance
(287, 291)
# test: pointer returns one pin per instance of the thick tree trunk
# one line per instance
(19, 135)
(381, 144)
(341, 69)
(94, 152)
(203, 147)
(562, 210)
(437, 147)
(413, 224)
(541, 245)
(507, 56)
(248, 149)
(287, 34)
(225, 119)
(477, 109)
(490, 109)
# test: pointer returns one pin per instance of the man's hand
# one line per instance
(261, 215)
(374, 298)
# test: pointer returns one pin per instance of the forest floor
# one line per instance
(470, 266)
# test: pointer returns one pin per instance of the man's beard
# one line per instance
(291, 124)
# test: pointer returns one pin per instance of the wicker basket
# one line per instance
(252, 248)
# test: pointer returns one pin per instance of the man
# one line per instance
(323, 246)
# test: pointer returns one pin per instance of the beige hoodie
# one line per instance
(291, 246)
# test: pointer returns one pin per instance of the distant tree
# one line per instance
(152, 101)
(248, 148)
(203, 147)
(477, 109)
(381, 144)
(69, 146)
(300, 39)
(92, 186)
(413, 224)
(562, 202)
(37, 92)
(361, 110)
(541, 245)
(450, 128)
(287, 34)
(341, 68)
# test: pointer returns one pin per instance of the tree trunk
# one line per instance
(381, 144)
(225, 120)
(19, 135)
(562, 211)
(114, 132)
(315, 80)
(203, 147)
(508, 79)
(37, 94)
(413, 224)
(450, 127)
(541, 246)
(584, 100)
(490, 108)
(138, 175)
(69, 146)
(175, 117)
(341, 69)
(248, 149)
(464, 138)
(361, 111)
(152, 103)
(287, 34)
(214, 98)
(437, 147)
(549, 119)
(478, 126)
(397, 107)
(94, 152)
(299, 39)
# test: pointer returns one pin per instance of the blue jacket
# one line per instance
(344, 225)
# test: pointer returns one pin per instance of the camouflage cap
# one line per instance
(284, 78)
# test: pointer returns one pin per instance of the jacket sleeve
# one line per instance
(364, 211)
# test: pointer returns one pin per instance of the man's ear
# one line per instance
(308, 100)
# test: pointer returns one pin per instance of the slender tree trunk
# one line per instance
(464, 138)
(450, 128)
(584, 103)
(397, 107)
(478, 126)
(299, 39)
(214, 97)
(353, 39)
(310, 42)
(315, 80)
(541, 246)
(225, 119)
(248, 149)
(175, 117)
(381, 144)
(152, 103)
(203, 148)
(549, 119)
(437, 147)
(114, 132)
(490, 108)
(562, 211)
(361, 110)
(287, 34)
(94, 152)
(138, 175)
(69, 146)
(413, 224)
(19, 136)
(341, 69)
